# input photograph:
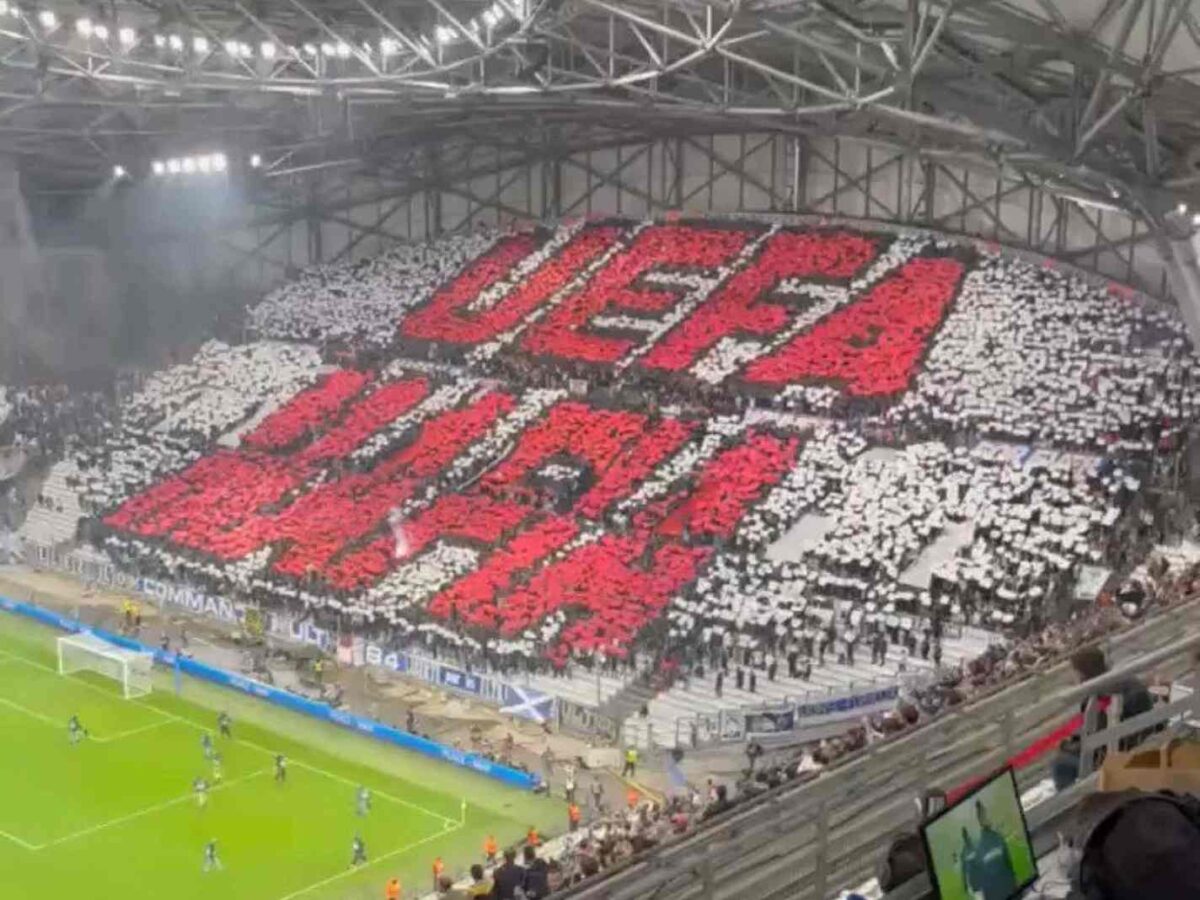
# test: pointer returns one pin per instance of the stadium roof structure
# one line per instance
(1094, 97)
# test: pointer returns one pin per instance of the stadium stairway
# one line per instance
(52, 524)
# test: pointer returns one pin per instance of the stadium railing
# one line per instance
(810, 840)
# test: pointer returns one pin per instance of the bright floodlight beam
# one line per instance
(119, 172)
(158, 167)
(127, 37)
(48, 19)
(83, 27)
(267, 49)
(219, 162)
(255, 161)
(100, 32)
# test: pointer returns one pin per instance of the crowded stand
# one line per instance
(823, 456)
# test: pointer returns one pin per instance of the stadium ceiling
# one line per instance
(1097, 99)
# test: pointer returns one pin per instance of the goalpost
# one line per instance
(85, 653)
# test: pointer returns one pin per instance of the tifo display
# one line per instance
(787, 478)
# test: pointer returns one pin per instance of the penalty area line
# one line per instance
(158, 807)
(448, 829)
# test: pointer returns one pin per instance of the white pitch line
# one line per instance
(378, 859)
(33, 714)
(16, 840)
(158, 807)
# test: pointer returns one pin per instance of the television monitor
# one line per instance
(979, 848)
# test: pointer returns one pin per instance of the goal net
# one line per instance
(85, 653)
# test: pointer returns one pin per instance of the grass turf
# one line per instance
(115, 816)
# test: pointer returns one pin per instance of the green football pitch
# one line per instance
(115, 816)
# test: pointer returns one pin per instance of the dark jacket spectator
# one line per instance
(508, 877)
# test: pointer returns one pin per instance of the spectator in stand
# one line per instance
(1089, 664)
(536, 876)
(509, 876)
(481, 885)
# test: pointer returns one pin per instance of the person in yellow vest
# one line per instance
(392, 890)
(573, 816)
(631, 757)
(438, 868)
(490, 849)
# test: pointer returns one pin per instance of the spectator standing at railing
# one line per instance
(1089, 663)
(508, 876)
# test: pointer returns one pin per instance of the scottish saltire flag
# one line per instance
(527, 703)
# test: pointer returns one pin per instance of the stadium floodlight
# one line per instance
(1196, 220)
(83, 27)
(219, 162)
(158, 167)
(389, 46)
(204, 164)
(1182, 209)
(127, 37)
(200, 44)
(255, 161)
(444, 34)
(231, 48)
(267, 50)
(327, 50)
(310, 49)
(160, 41)
(174, 166)
(188, 164)
(119, 172)
(87, 653)
(3, 7)
(491, 17)
(100, 32)
(343, 50)
(175, 42)
(48, 19)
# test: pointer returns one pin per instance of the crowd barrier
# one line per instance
(286, 699)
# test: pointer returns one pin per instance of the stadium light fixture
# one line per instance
(444, 34)
(219, 162)
(389, 46)
(255, 161)
(203, 164)
(158, 167)
(267, 50)
(174, 166)
(231, 48)
(83, 27)
(327, 50)
(100, 32)
(160, 41)
(175, 42)
(1196, 220)
(188, 165)
(343, 50)
(1182, 209)
(310, 49)
(200, 44)
(119, 172)
(3, 7)
(47, 19)
(127, 37)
